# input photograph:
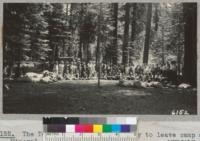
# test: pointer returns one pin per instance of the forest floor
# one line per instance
(84, 97)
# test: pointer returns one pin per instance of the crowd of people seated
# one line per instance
(76, 70)
(86, 71)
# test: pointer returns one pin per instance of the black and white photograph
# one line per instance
(100, 58)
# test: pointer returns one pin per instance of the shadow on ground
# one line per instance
(84, 97)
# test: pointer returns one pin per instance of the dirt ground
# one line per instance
(84, 97)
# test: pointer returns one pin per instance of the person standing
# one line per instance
(78, 69)
(61, 67)
(173, 69)
(55, 68)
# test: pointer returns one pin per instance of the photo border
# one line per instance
(141, 117)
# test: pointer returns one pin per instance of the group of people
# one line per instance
(152, 72)
(77, 70)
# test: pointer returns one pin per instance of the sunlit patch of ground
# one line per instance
(84, 97)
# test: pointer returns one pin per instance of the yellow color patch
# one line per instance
(97, 128)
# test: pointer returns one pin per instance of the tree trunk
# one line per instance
(56, 53)
(80, 36)
(163, 46)
(133, 31)
(81, 50)
(115, 24)
(133, 23)
(190, 55)
(98, 51)
(179, 53)
(178, 58)
(88, 52)
(147, 35)
(19, 59)
(126, 35)
(63, 51)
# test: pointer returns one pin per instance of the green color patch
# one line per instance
(107, 128)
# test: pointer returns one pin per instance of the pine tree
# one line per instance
(58, 31)
(38, 32)
(17, 37)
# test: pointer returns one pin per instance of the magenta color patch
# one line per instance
(79, 128)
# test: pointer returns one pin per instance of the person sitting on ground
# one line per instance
(131, 71)
(147, 73)
(157, 72)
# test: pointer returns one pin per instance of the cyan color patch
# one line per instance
(116, 128)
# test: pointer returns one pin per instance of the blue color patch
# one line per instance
(125, 128)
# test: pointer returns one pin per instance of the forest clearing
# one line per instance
(71, 97)
(99, 58)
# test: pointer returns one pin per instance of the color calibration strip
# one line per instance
(90, 125)
(89, 137)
